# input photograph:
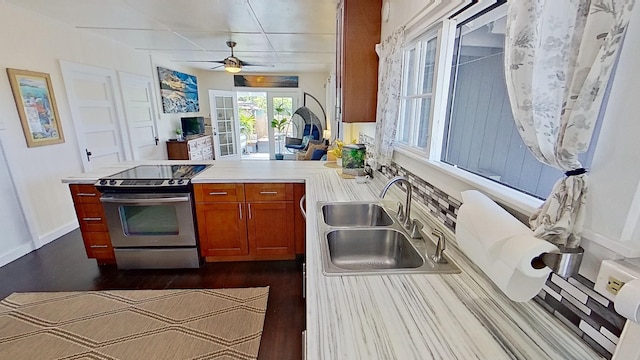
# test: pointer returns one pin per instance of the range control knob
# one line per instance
(112, 182)
(180, 182)
(103, 182)
(171, 182)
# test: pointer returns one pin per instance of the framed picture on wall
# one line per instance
(36, 106)
(179, 91)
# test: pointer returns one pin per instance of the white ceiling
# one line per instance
(292, 35)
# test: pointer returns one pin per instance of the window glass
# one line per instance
(481, 136)
(419, 68)
(429, 66)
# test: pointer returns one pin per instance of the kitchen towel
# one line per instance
(503, 247)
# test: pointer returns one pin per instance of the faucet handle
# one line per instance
(438, 257)
(400, 214)
(416, 226)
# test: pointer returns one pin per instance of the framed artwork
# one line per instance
(179, 91)
(265, 81)
(37, 108)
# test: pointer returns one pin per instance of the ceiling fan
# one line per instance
(232, 64)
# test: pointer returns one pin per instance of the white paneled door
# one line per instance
(224, 120)
(139, 110)
(97, 115)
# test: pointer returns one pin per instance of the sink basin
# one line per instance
(363, 238)
(355, 214)
(372, 249)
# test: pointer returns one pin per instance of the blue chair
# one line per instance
(310, 132)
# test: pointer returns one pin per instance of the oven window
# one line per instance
(149, 220)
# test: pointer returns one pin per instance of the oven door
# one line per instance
(149, 220)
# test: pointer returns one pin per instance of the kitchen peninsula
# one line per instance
(460, 316)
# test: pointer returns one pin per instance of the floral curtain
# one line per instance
(558, 60)
(389, 78)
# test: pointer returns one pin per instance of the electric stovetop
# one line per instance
(152, 176)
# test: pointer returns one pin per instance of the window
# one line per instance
(480, 133)
(417, 92)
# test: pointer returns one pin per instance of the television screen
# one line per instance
(193, 125)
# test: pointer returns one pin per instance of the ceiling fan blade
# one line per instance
(212, 61)
(244, 63)
(216, 67)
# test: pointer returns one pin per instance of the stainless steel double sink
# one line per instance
(364, 238)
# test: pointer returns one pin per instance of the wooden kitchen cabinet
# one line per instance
(270, 219)
(221, 218)
(93, 225)
(357, 33)
(246, 221)
(222, 229)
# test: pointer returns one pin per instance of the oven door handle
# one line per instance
(116, 200)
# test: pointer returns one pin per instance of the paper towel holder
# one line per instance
(565, 263)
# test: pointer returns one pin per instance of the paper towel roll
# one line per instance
(501, 246)
(627, 301)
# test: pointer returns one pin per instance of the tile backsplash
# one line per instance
(573, 301)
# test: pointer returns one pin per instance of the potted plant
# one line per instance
(279, 123)
(179, 134)
(336, 150)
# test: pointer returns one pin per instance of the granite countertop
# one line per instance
(458, 316)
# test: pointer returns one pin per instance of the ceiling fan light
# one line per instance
(232, 68)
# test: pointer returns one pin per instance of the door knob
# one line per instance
(88, 154)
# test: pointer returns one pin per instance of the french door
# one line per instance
(224, 122)
(281, 105)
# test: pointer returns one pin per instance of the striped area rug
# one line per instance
(133, 324)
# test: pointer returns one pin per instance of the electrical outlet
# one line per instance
(613, 275)
(614, 285)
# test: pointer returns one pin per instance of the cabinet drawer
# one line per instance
(269, 192)
(219, 192)
(91, 217)
(83, 194)
(98, 246)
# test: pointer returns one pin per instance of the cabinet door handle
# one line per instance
(86, 194)
(249, 205)
(218, 193)
(92, 219)
(99, 246)
(240, 210)
(268, 193)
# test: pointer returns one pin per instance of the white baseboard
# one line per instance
(16, 253)
(63, 230)
(24, 249)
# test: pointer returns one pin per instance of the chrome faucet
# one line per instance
(405, 217)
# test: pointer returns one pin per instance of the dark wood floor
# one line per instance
(63, 266)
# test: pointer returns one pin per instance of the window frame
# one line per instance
(418, 42)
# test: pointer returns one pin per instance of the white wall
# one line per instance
(15, 236)
(613, 210)
(36, 43)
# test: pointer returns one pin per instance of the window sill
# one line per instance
(518, 201)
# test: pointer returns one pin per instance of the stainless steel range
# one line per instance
(150, 216)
